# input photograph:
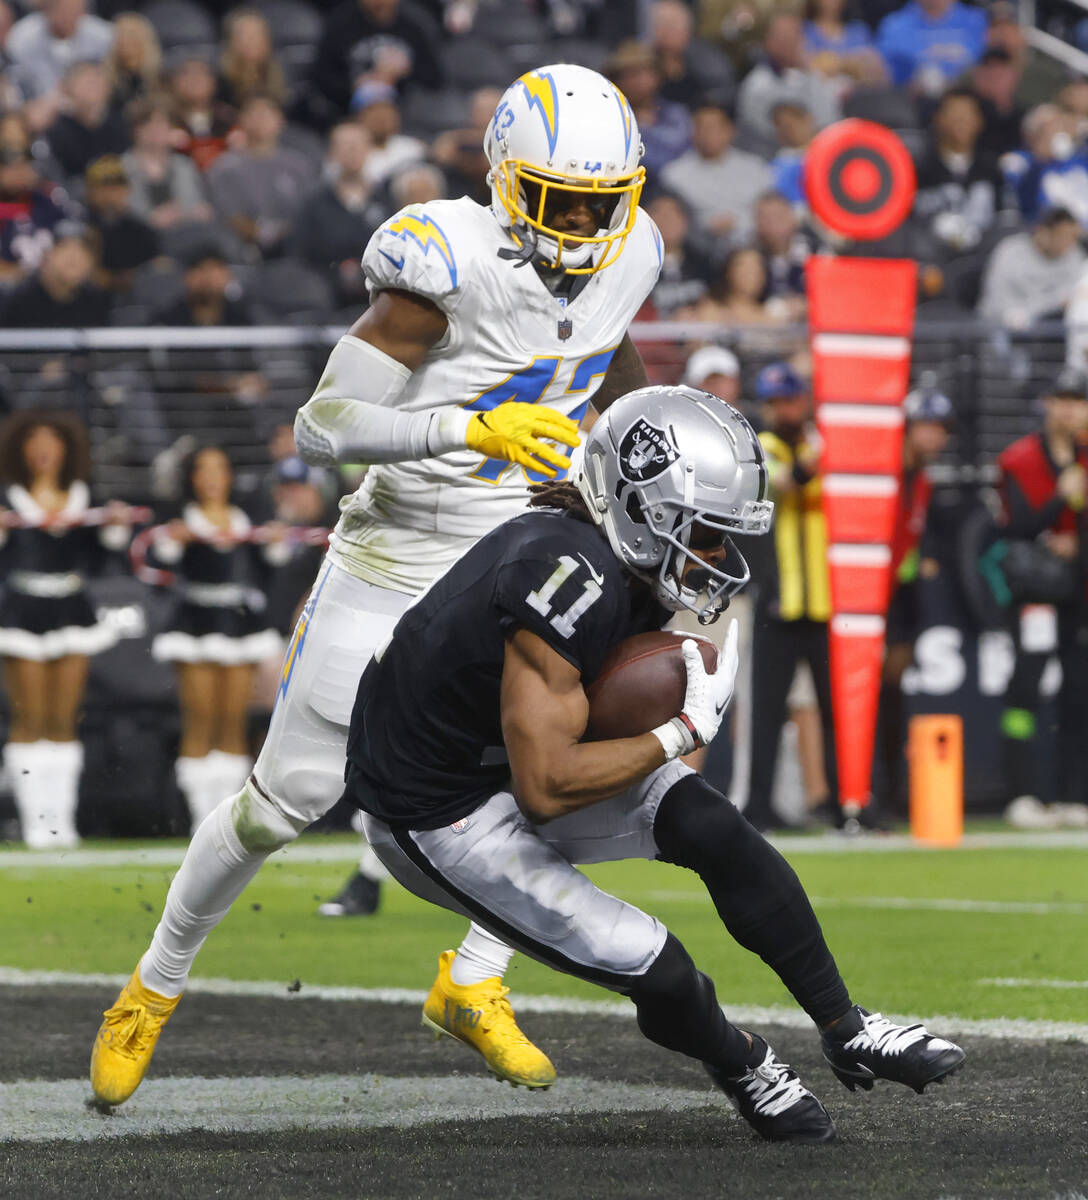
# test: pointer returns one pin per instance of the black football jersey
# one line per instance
(425, 745)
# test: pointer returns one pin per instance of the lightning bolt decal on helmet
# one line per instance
(559, 132)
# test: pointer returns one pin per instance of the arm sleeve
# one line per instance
(352, 418)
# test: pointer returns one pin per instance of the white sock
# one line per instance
(480, 956)
(214, 873)
(371, 865)
(27, 764)
(64, 765)
(198, 779)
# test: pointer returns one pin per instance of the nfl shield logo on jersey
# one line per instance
(565, 329)
(645, 452)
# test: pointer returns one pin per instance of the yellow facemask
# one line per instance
(529, 195)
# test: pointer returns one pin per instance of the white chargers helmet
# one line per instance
(670, 470)
(565, 129)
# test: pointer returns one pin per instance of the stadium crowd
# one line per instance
(137, 148)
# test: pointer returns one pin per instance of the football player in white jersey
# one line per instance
(491, 329)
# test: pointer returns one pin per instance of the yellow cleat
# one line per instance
(480, 1015)
(126, 1040)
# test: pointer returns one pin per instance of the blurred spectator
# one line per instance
(793, 597)
(207, 299)
(248, 65)
(1050, 171)
(332, 230)
(134, 63)
(736, 297)
(692, 70)
(782, 74)
(60, 295)
(841, 49)
(716, 370)
(30, 210)
(785, 250)
(793, 130)
(43, 46)
(366, 42)
(202, 120)
(1073, 100)
(89, 127)
(929, 417)
(928, 43)
(958, 187)
(1005, 31)
(683, 278)
(126, 241)
(166, 189)
(719, 184)
(1076, 325)
(1033, 274)
(296, 499)
(665, 125)
(419, 183)
(460, 152)
(1044, 490)
(390, 150)
(259, 188)
(996, 82)
(739, 25)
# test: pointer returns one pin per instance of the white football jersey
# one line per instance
(509, 338)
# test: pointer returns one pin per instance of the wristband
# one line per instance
(675, 738)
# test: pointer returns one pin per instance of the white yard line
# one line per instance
(909, 903)
(311, 850)
(38, 1111)
(1036, 983)
(742, 1014)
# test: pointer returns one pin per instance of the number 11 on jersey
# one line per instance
(541, 599)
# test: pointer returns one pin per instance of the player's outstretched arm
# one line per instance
(353, 417)
(626, 372)
(544, 713)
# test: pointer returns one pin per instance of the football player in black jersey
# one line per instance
(464, 754)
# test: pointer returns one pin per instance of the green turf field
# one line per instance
(914, 931)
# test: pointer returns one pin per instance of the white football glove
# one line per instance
(705, 700)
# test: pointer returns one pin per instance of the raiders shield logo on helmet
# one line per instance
(645, 452)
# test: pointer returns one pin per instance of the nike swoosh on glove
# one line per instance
(512, 431)
(705, 700)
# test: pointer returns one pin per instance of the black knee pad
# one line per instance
(697, 827)
(695, 824)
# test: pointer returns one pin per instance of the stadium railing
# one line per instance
(141, 390)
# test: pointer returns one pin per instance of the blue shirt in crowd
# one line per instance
(1061, 183)
(910, 41)
(855, 36)
(786, 167)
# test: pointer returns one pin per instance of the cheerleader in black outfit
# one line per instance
(218, 632)
(47, 625)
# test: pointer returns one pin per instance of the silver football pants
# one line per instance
(519, 880)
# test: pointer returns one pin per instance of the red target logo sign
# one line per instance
(859, 179)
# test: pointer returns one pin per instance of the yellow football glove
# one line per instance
(511, 431)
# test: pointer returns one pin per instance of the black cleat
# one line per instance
(907, 1054)
(774, 1101)
(359, 898)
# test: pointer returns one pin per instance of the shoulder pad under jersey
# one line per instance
(417, 250)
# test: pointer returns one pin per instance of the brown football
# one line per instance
(641, 684)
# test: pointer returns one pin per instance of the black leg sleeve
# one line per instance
(678, 1009)
(756, 892)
